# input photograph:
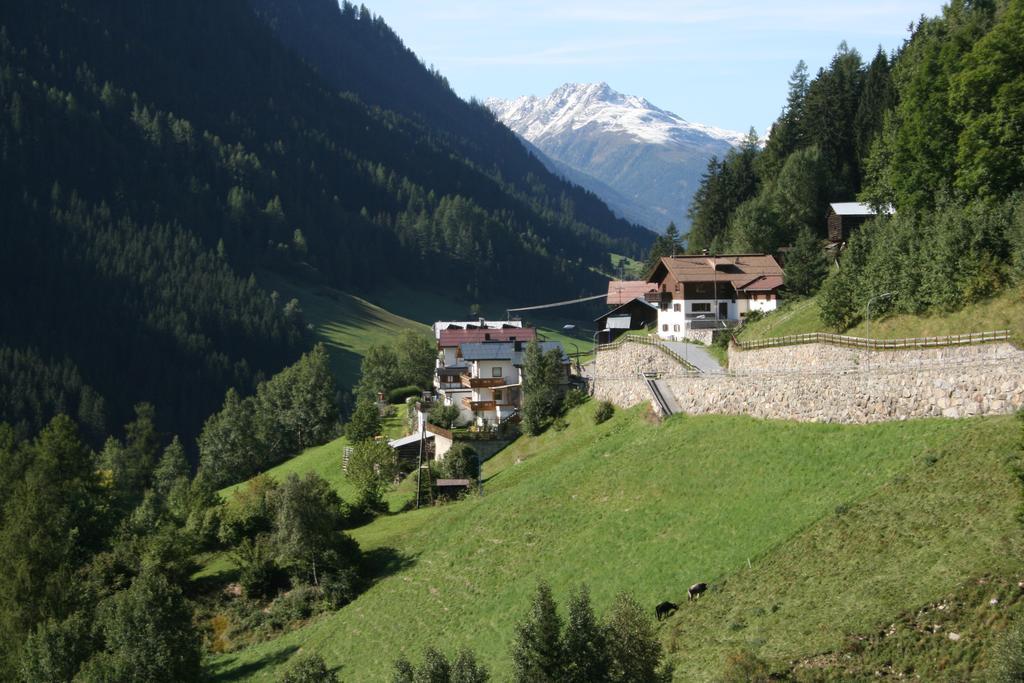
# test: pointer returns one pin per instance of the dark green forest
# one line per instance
(933, 131)
(155, 155)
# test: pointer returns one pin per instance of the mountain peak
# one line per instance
(577, 105)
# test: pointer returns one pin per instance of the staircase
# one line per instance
(661, 394)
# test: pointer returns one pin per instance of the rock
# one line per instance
(953, 636)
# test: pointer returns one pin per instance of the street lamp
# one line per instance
(884, 295)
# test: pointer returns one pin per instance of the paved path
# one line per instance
(696, 355)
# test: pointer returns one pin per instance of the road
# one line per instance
(697, 356)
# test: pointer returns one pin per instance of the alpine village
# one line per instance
(314, 367)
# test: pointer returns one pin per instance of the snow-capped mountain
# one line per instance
(599, 138)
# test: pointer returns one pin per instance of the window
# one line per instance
(664, 328)
(497, 395)
(496, 371)
(677, 307)
(675, 328)
(700, 308)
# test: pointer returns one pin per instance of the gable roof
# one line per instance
(505, 351)
(858, 209)
(736, 269)
(622, 291)
(620, 310)
(761, 283)
(457, 337)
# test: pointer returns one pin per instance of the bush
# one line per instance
(461, 462)
(443, 415)
(399, 394)
(574, 398)
(604, 412)
(559, 425)
(745, 667)
(309, 669)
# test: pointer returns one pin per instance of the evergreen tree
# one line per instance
(434, 669)
(542, 376)
(229, 449)
(50, 524)
(172, 469)
(147, 634)
(806, 265)
(633, 646)
(55, 651)
(538, 652)
(586, 650)
(467, 670)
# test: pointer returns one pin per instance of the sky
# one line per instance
(723, 63)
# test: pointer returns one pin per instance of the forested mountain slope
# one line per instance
(155, 154)
(359, 53)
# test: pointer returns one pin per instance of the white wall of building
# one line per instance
(676, 320)
(763, 302)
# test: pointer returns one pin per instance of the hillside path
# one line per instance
(696, 355)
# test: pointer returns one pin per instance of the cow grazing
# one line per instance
(696, 590)
(664, 609)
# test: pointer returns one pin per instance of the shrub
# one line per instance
(309, 669)
(574, 398)
(559, 425)
(460, 462)
(443, 415)
(744, 666)
(399, 394)
(604, 412)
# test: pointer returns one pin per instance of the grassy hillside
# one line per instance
(325, 461)
(347, 325)
(632, 505)
(1005, 311)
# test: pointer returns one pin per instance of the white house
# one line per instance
(697, 294)
(495, 378)
(452, 374)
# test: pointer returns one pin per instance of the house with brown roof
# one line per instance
(696, 294)
(623, 291)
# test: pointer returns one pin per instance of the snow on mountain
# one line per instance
(575, 105)
(652, 158)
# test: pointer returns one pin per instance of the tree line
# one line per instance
(928, 131)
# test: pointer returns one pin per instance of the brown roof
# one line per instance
(622, 291)
(737, 269)
(761, 283)
(460, 337)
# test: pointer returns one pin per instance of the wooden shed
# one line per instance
(845, 217)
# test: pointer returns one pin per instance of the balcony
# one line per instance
(478, 406)
(663, 298)
(481, 382)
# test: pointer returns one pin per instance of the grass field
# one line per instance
(1005, 311)
(842, 527)
(326, 461)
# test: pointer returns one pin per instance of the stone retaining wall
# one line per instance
(804, 357)
(950, 382)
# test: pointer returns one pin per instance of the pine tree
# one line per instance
(172, 468)
(633, 646)
(586, 651)
(806, 264)
(467, 670)
(538, 653)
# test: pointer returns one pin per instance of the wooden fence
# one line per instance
(878, 344)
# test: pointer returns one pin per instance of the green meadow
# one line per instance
(807, 533)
